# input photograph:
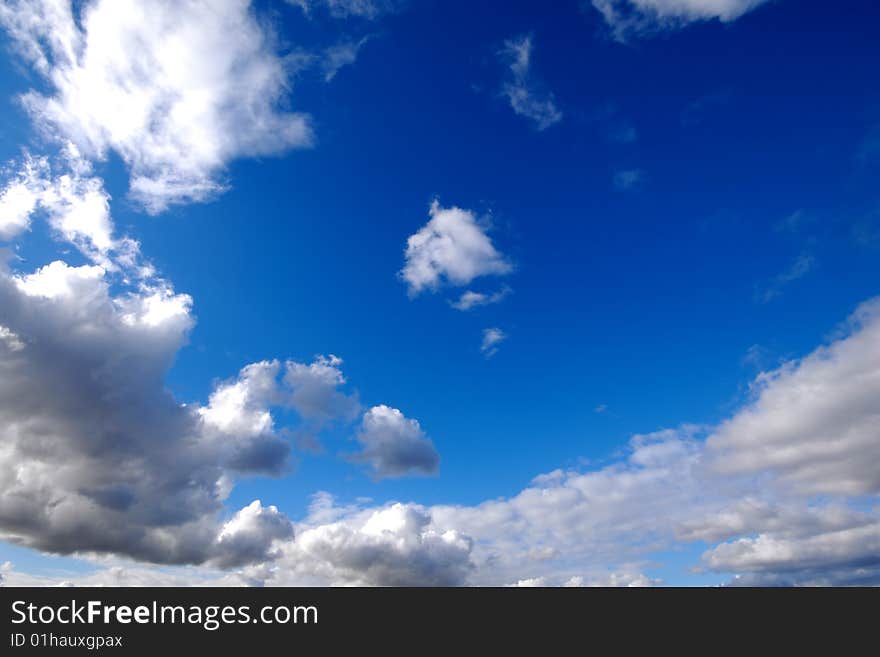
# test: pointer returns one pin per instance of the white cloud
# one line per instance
(452, 248)
(777, 491)
(525, 95)
(814, 423)
(18, 200)
(176, 127)
(340, 55)
(394, 445)
(470, 299)
(367, 9)
(627, 17)
(615, 580)
(75, 205)
(492, 338)
(392, 546)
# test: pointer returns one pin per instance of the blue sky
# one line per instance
(682, 201)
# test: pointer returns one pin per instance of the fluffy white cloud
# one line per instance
(452, 248)
(525, 95)
(18, 200)
(392, 546)
(626, 17)
(176, 127)
(394, 445)
(492, 338)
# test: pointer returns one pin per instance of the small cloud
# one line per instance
(525, 95)
(471, 299)
(343, 9)
(627, 18)
(601, 408)
(492, 338)
(802, 266)
(339, 55)
(453, 248)
(394, 445)
(627, 179)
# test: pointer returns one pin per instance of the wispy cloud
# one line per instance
(492, 338)
(340, 55)
(471, 299)
(801, 266)
(627, 179)
(634, 17)
(522, 89)
(365, 9)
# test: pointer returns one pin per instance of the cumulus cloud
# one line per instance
(628, 17)
(394, 445)
(250, 535)
(176, 127)
(521, 88)
(98, 456)
(313, 390)
(492, 338)
(452, 249)
(780, 492)
(397, 545)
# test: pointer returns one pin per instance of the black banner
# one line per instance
(130, 621)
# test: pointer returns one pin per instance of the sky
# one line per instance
(409, 292)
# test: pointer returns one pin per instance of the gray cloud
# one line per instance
(98, 455)
(394, 445)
